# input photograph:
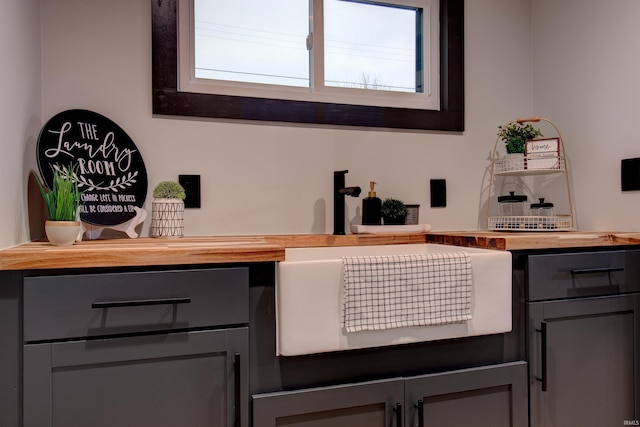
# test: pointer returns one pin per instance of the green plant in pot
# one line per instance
(394, 211)
(62, 202)
(515, 135)
(167, 213)
(169, 190)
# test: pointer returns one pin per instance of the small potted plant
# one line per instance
(394, 211)
(515, 135)
(62, 203)
(167, 215)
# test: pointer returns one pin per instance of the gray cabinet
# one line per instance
(585, 369)
(486, 396)
(583, 333)
(132, 349)
(492, 396)
(372, 404)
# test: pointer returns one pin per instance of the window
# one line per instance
(303, 63)
(339, 51)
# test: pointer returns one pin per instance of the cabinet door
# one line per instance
(584, 361)
(491, 396)
(193, 379)
(370, 404)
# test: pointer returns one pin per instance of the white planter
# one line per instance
(62, 233)
(518, 159)
(167, 218)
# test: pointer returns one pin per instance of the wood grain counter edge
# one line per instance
(147, 251)
(531, 240)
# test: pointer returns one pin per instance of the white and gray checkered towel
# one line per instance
(384, 292)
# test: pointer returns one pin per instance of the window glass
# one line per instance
(371, 46)
(346, 44)
(254, 41)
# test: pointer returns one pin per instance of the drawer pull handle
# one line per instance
(140, 302)
(596, 270)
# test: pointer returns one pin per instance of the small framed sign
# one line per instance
(543, 153)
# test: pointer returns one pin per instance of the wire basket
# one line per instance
(530, 223)
(528, 165)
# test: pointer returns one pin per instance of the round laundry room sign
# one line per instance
(108, 167)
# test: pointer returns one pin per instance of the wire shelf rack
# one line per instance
(531, 164)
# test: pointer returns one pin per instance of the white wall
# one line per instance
(586, 71)
(270, 178)
(262, 178)
(20, 117)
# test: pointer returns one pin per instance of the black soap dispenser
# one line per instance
(371, 207)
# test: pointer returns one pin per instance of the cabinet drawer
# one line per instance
(59, 307)
(572, 275)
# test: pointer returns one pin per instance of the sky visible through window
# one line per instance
(259, 41)
(369, 46)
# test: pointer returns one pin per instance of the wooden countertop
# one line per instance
(512, 241)
(147, 251)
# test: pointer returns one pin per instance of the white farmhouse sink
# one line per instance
(309, 295)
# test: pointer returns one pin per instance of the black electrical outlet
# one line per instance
(191, 185)
(630, 174)
(438, 193)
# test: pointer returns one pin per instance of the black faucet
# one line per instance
(339, 191)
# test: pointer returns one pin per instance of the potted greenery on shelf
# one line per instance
(515, 135)
(167, 215)
(394, 211)
(62, 202)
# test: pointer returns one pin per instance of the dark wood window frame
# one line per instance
(168, 100)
